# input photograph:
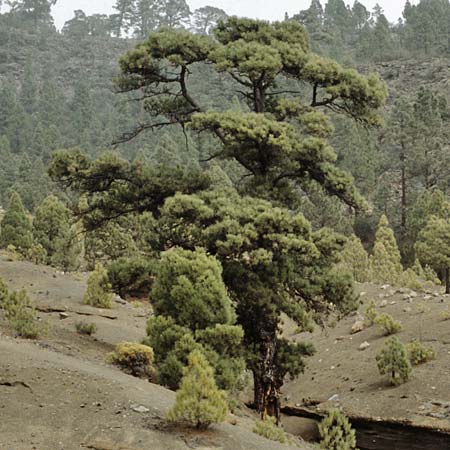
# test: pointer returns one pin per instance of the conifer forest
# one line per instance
(222, 232)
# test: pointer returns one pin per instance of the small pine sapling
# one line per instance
(370, 314)
(336, 432)
(21, 314)
(98, 291)
(393, 361)
(199, 402)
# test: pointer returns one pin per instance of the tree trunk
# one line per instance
(266, 385)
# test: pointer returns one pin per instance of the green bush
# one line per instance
(336, 432)
(393, 360)
(21, 314)
(86, 328)
(98, 291)
(135, 359)
(132, 277)
(371, 314)
(268, 428)
(37, 254)
(419, 353)
(388, 324)
(199, 402)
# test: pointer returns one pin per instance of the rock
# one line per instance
(139, 409)
(120, 300)
(426, 297)
(381, 295)
(393, 303)
(406, 297)
(364, 346)
(362, 294)
(436, 294)
(407, 309)
(63, 315)
(357, 326)
(385, 286)
(391, 292)
(333, 398)
(413, 294)
(383, 304)
(403, 290)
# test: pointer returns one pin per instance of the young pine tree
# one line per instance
(432, 247)
(385, 261)
(355, 259)
(50, 220)
(16, 226)
(199, 402)
(336, 432)
(393, 360)
(98, 291)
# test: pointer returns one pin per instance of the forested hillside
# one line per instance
(234, 171)
(57, 92)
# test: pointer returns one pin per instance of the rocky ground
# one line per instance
(57, 393)
(344, 371)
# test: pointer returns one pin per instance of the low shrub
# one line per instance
(370, 314)
(135, 359)
(86, 328)
(419, 353)
(268, 428)
(388, 324)
(21, 314)
(37, 254)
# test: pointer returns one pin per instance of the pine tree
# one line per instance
(336, 432)
(385, 261)
(16, 226)
(355, 259)
(98, 292)
(50, 222)
(393, 360)
(198, 401)
(206, 18)
(433, 248)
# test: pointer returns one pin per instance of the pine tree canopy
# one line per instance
(283, 137)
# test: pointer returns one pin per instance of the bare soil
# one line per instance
(340, 374)
(57, 393)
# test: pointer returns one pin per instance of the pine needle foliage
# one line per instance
(21, 314)
(269, 429)
(355, 259)
(199, 402)
(393, 360)
(98, 291)
(385, 261)
(336, 432)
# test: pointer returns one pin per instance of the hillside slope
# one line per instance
(58, 393)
